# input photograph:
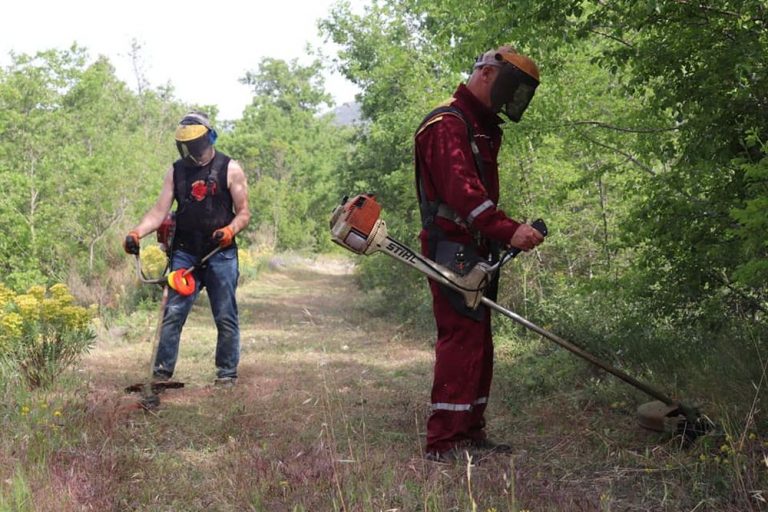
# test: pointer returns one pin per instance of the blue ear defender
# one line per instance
(212, 135)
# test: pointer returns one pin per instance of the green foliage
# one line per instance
(82, 157)
(290, 150)
(644, 150)
(402, 78)
(42, 332)
(17, 498)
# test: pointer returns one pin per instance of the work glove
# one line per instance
(224, 236)
(131, 243)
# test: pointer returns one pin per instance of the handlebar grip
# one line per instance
(540, 226)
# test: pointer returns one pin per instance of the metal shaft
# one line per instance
(578, 351)
(405, 255)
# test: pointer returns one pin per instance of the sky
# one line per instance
(201, 47)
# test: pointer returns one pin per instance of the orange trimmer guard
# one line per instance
(182, 282)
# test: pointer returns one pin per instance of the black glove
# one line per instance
(131, 243)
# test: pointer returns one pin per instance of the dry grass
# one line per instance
(329, 415)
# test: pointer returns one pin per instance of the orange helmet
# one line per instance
(516, 82)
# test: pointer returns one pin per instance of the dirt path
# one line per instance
(328, 414)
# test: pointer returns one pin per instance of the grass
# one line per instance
(329, 415)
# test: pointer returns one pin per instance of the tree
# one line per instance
(291, 151)
(78, 152)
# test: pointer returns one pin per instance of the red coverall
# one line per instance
(464, 350)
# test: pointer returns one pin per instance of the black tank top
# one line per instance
(203, 201)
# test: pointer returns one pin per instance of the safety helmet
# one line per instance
(194, 135)
(516, 82)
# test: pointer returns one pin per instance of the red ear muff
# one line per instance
(183, 284)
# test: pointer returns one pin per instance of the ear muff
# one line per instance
(182, 284)
(212, 136)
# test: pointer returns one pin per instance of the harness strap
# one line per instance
(430, 209)
(217, 166)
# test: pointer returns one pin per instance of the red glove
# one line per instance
(224, 236)
(131, 243)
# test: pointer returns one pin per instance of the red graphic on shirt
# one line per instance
(199, 190)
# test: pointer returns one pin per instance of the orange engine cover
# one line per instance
(362, 212)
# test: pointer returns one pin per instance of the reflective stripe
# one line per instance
(480, 209)
(451, 407)
(459, 407)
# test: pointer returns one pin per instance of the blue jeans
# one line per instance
(218, 276)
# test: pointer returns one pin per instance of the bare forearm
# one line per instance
(239, 190)
(240, 221)
(154, 217)
(151, 221)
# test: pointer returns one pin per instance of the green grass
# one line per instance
(329, 415)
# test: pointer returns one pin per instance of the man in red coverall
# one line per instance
(458, 185)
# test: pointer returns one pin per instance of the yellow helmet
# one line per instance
(194, 135)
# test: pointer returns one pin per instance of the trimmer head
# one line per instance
(657, 415)
(685, 421)
(157, 387)
(150, 398)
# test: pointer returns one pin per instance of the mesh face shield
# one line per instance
(512, 92)
(192, 141)
(194, 149)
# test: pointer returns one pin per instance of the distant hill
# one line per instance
(346, 114)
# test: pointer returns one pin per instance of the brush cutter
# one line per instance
(183, 282)
(356, 225)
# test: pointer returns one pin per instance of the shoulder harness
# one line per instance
(218, 164)
(431, 209)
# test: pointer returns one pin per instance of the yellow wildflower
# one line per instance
(57, 413)
(12, 324)
(50, 309)
(29, 306)
(37, 292)
(74, 316)
(244, 258)
(60, 291)
(153, 261)
(6, 295)
(24, 410)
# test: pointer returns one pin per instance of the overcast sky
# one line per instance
(201, 47)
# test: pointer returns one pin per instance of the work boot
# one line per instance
(449, 456)
(158, 381)
(487, 445)
(160, 377)
(225, 382)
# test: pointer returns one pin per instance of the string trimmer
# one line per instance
(183, 282)
(356, 225)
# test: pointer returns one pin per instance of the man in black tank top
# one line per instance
(211, 197)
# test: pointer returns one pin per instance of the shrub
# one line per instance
(153, 261)
(42, 332)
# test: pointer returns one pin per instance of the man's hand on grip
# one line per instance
(224, 236)
(131, 243)
(526, 238)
